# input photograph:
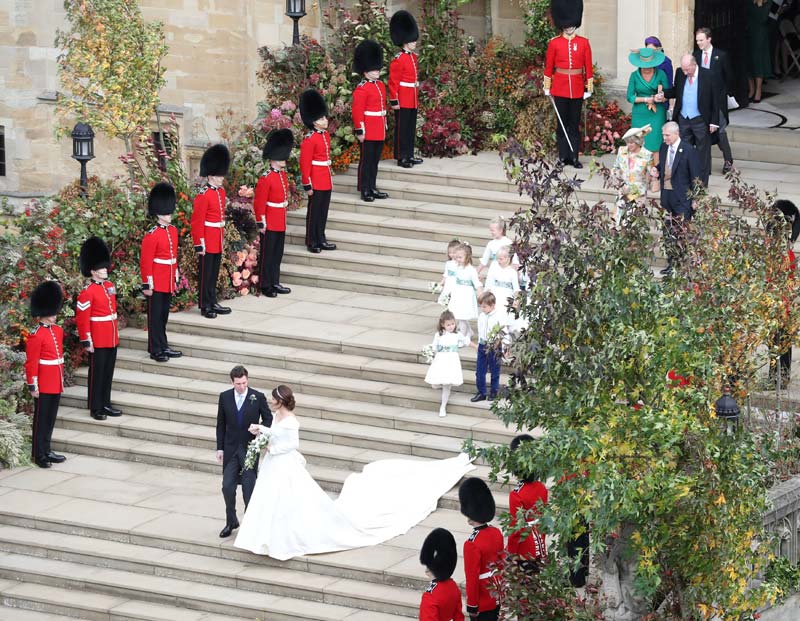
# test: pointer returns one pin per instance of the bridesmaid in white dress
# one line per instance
(290, 515)
(445, 369)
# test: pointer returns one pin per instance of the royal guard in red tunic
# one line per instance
(269, 205)
(369, 116)
(315, 169)
(208, 228)
(568, 76)
(525, 502)
(98, 329)
(441, 601)
(482, 551)
(44, 370)
(158, 264)
(404, 87)
(792, 216)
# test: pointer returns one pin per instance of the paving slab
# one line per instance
(30, 479)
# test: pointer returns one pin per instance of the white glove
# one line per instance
(547, 92)
(586, 95)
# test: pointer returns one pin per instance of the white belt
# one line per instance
(371, 113)
(410, 84)
(214, 225)
(321, 163)
(486, 575)
(110, 317)
(278, 205)
(52, 363)
(165, 261)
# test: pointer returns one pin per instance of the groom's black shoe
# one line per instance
(228, 530)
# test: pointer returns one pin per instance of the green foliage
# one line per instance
(621, 371)
(14, 420)
(539, 27)
(110, 68)
(783, 575)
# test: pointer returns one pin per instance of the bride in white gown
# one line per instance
(290, 515)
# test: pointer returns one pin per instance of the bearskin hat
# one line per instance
(522, 473)
(94, 256)
(792, 214)
(312, 107)
(566, 13)
(279, 145)
(215, 161)
(161, 201)
(477, 502)
(439, 553)
(403, 28)
(46, 299)
(368, 56)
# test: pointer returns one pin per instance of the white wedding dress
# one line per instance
(290, 515)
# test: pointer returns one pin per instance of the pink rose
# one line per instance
(244, 292)
(254, 279)
(236, 275)
(245, 274)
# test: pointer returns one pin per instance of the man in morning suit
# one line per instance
(717, 61)
(239, 407)
(678, 169)
(696, 109)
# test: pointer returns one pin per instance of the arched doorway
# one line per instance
(728, 21)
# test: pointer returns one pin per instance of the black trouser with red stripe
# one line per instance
(45, 409)
(405, 130)
(368, 165)
(271, 256)
(157, 316)
(207, 275)
(317, 217)
(101, 375)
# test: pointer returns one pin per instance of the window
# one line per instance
(2, 151)
(161, 152)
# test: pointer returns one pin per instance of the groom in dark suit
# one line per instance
(678, 170)
(239, 408)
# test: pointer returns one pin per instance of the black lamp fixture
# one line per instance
(83, 150)
(296, 9)
(727, 410)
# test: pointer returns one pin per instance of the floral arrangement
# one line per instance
(245, 276)
(428, 353)
(255, 448)
(435, 287)
(443, 299)
(605, 126)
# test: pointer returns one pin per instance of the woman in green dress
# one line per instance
(758, 52)
(643, 85)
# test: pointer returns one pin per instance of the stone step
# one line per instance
(198, 379)
(354, 423)
(301, 359)
(200, 569)
(327, 470)
(170, 591)
(355, 281)
(365, 263)
(182, 511)
(439, 212)
(395, 247)
(401, 221)
(318, 447)
(38, 602)
(431, 190)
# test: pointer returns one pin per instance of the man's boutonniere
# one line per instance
(252, 398)
(680, 150)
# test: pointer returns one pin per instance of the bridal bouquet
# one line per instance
(254, 450)
(428, 353)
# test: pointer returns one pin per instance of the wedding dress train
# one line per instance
(290, 515)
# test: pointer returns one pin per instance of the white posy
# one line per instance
(290, 515)
(256, 446)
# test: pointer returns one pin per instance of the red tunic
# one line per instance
(369, 110)
(315, 161)
(569, 55)
(159, 259)
(208, 220)
(527, 496)
(44, 360)
(271, 199)
(441, 601)
(96, 315)
(483, 548)
(404, 80)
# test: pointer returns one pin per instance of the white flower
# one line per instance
(256, 446)
(428, 353)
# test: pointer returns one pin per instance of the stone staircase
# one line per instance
(127, 528)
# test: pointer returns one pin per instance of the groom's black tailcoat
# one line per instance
(232, 438)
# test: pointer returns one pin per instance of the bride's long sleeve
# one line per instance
(287, 440)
